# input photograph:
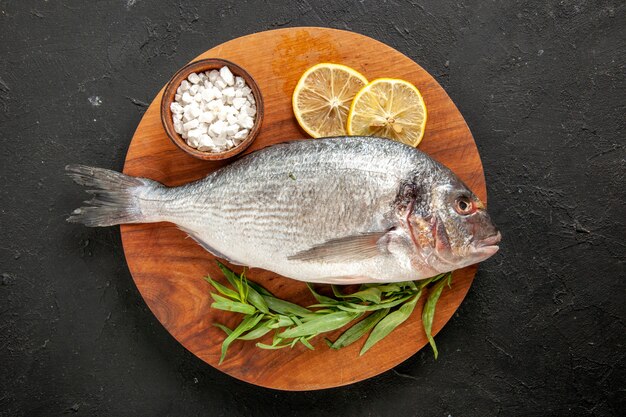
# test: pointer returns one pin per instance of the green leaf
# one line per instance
(230, 276)
(247, 323)
(260, 331)
(337, 291)
(321, 324)
(243, 287)
(320, 312)
(390, 322)
(220, 299)
(306, 343)
(387, 288)
(410, 285)
(371, 295)
(276, 339)
(280, 321)
(261, 290)
(355, 332)
(320, 305)
(271, 347)
(403, 285)
(361, 308)
(321, 298)
(234, 306)
(423, 283)
(355, 308)
(257, 300)
(223, 328)
(428, 314)
(222, 289)
(285, 307)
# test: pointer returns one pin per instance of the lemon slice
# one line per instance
(389, 108)
(322, 98)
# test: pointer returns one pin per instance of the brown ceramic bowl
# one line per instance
(202, 66)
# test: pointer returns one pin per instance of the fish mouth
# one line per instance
(492, 240)
(488, 246)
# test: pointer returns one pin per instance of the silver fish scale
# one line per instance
(288, 198)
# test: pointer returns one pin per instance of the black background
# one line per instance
(540, 83)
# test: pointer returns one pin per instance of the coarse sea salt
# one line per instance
(213, 110)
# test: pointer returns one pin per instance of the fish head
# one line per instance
(451, 227)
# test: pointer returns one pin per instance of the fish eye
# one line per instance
(464, 206)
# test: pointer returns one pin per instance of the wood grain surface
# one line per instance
(168, 267)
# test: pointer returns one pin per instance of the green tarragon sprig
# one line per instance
(385, 307)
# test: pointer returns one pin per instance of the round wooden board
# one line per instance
(168, 267)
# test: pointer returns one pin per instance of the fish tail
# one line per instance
(117, 198)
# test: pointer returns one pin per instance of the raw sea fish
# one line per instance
(342, 210)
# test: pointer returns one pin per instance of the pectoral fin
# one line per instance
(349, 248)
(346, 280)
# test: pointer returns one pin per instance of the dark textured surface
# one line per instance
(540, 83)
